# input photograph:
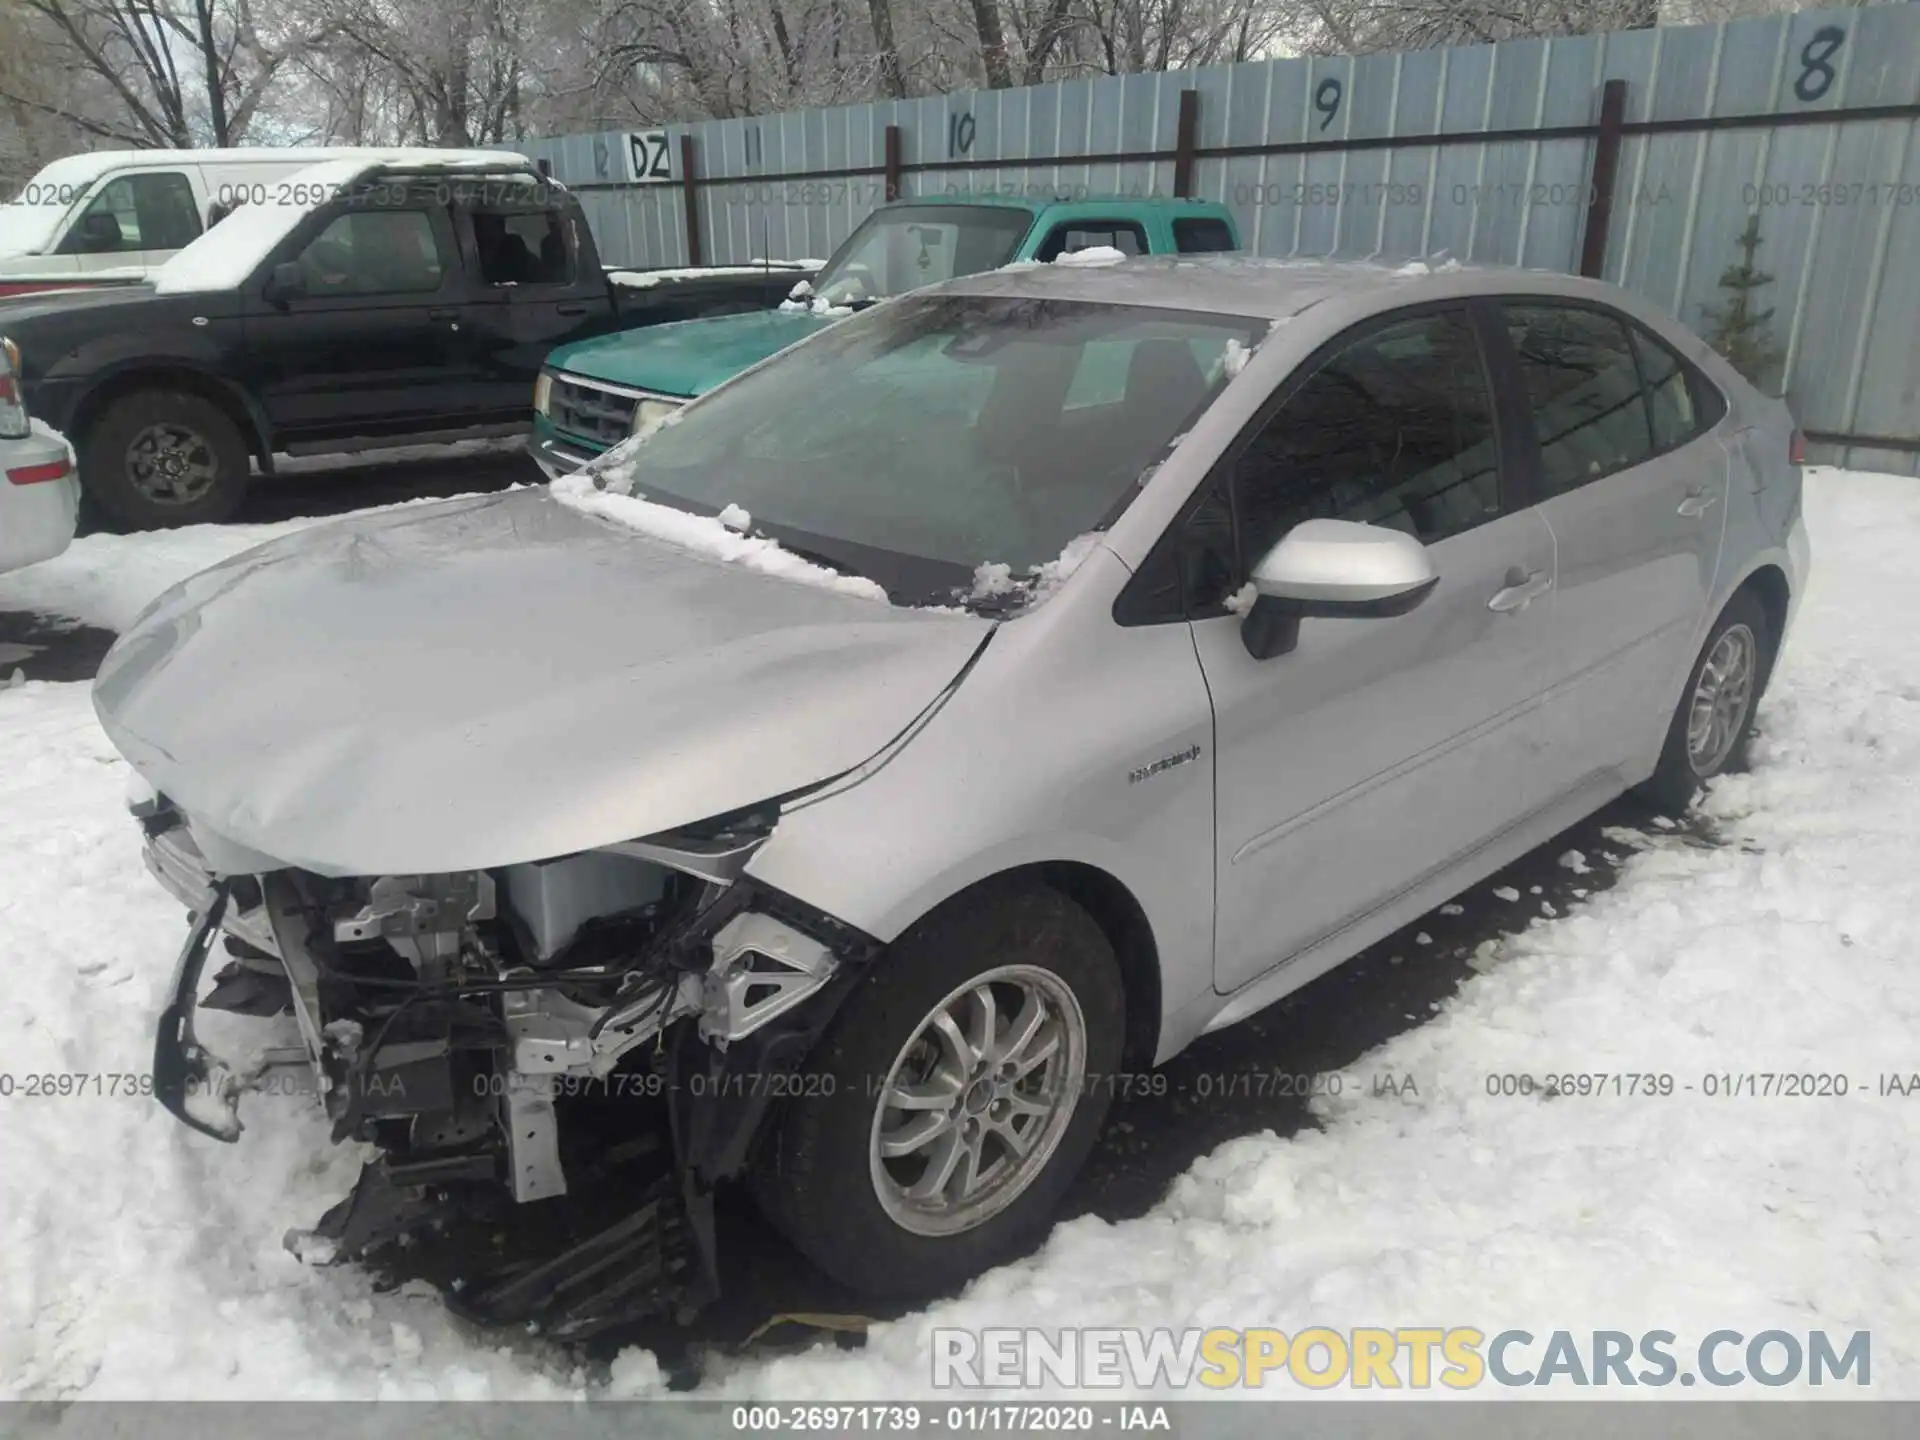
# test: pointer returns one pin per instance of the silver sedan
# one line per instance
(971, 705)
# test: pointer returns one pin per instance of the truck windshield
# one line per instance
(920, 441)
(902, 247)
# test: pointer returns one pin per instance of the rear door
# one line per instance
(371, 344)
(1380, 751)
(531, 291)
(1634, 488)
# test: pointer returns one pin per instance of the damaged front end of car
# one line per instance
(622, 1017)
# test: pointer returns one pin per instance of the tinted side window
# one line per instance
(1126, 236)
(1681, 402)
(524, 248)
(1583, 386)
(1202, 234)
(1394, 429)
(136, 212)
(373, 252)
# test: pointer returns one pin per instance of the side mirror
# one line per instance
(285, 282)
(1335, 569)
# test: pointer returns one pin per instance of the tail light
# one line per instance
(1797, 448)
(38, 474)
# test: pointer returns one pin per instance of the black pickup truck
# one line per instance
(412, 302)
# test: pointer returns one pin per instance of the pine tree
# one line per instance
(1737, 329)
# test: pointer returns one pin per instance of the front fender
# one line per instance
(1071, 740)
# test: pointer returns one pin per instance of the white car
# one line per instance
(40, 496)
(116, 216)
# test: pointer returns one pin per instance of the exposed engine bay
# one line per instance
(504, 1035)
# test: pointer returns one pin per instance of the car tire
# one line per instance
(1712, 726)
(820, 1175)
(155, 459)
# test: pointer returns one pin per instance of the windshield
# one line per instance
(30, 220)
(903, 247)
(926, 439)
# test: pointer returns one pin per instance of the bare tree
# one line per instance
(164, 72)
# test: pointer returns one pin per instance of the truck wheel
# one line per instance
(160, 458)
(1713, 723)
(954, 1097)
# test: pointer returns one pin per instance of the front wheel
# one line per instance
(958, 1092)
(159, 458)
(1713, 724)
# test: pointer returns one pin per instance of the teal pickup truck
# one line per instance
(593, 393)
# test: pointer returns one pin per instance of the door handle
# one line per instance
(573, 307)
(443, 314)
(1522, 587)
(1697, 503)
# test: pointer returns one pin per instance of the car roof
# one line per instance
(1232, 284)
(1041, 201)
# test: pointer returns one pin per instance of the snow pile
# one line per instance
(1092, 255)
(223, 257)
(138, 1260)
(815, 305)
(996, 578)
(647, 279)
(706, 535)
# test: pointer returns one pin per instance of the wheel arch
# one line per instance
(1768, 584)
(176, 375)
(1122, 919)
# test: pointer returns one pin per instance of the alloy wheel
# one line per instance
(1722, 694)
(977, 1100)
(171, 464)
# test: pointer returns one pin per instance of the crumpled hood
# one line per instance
(688, 357)
(501, 679)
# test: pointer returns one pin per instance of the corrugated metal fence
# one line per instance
(1640, 156)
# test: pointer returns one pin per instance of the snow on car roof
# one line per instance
(226, 255)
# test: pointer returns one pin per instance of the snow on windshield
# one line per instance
(707, 535)
(226, 255)
(646, 279)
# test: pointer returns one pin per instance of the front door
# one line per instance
(1380, 750)
(1634, 488)
(370, 342)
(134, 222)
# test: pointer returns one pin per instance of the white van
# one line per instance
(116, 215)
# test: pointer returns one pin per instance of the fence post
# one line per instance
(890, 151)
(1186, 139)
(1606, 166)
(690, 192)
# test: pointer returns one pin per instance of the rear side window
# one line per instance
(1582, 385)
(1126, 236)
(136, 212)
(531, 247)
(1201, 235)
(1681, 402)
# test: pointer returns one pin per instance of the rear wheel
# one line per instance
(958, 1094)
(159, 458)
(1713, 724)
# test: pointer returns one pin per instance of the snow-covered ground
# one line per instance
(137, 1259)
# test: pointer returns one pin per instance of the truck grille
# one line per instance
(586, 410)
